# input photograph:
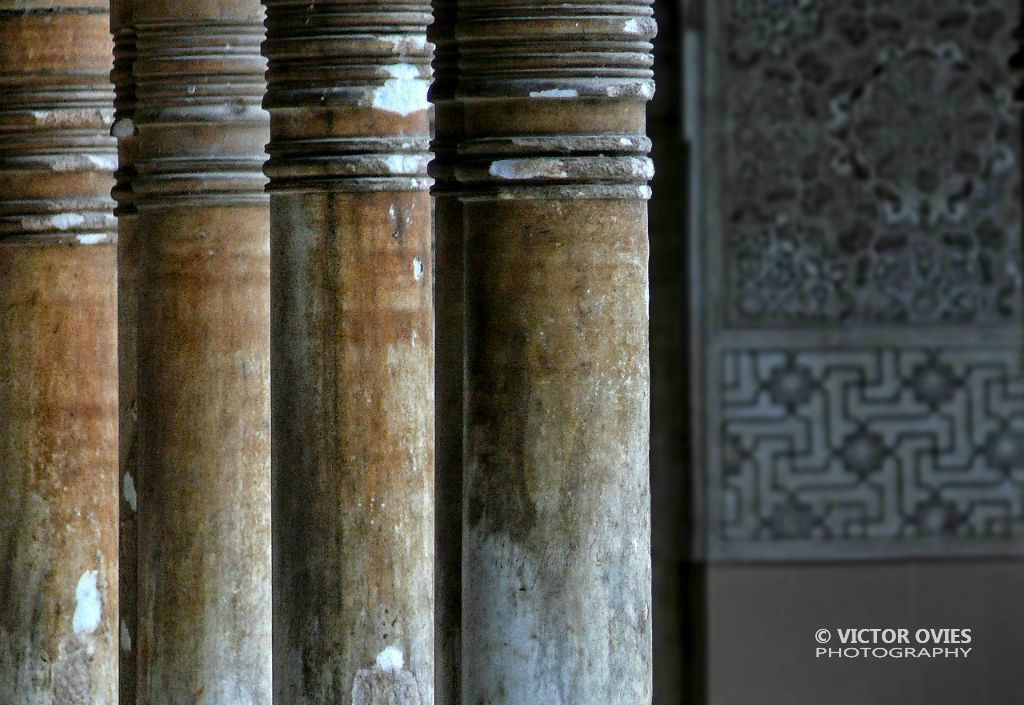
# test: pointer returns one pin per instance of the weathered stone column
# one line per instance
(450, 357)
(557, 582)
(58, 358)
(353, 352)
(203, 355)
(127, 333)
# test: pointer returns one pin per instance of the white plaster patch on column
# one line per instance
(387, 683)
(513, 169)
(123, 129)
(417, 268)
(555, 93)
(405, 163)
(410, 44)
(72, 117)
(93, 239)
(126, 638)
(88, 604)
(128, 488)
(390, 659)
(66, 221)
(82, 162)
(102, 162)
(404, 93)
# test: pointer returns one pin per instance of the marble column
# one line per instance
(58, 376)
(204, 598)
(556, 556)
(353, 341)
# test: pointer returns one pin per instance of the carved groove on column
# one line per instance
(550, 49)
(56, 124)
(339, 63)
(562, 59)
(8, 12)
(197, 81)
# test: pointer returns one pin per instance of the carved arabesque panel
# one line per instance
(872, 443)
(869, 162)
(860, 315)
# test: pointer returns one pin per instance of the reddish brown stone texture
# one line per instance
(556, 555)
(353, 353)
(58, 380)
(204, 582)
(58, 448)
(203, 356)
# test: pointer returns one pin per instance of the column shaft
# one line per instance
(203, 355)
(449, 350)
(58, 375)
(127, 333)
(353, 352)
(556, 603)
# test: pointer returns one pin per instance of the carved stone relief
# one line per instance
(859, 294)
